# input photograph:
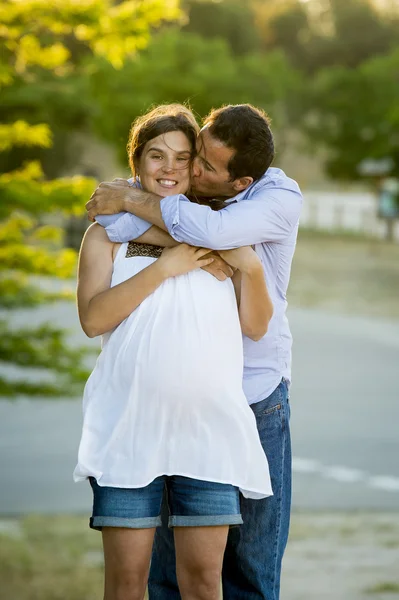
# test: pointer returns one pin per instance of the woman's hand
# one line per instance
(244, 259)
(182, 259)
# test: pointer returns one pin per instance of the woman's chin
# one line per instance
(164, 192)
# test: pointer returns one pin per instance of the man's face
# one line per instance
(210, 175)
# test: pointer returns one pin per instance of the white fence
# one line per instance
(351, 211)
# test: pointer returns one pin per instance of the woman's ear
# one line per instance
(242, 183)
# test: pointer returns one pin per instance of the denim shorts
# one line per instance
(192, 503)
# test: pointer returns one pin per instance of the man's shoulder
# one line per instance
(277, 179)
(278, 193)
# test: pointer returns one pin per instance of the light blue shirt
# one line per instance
(265, 216)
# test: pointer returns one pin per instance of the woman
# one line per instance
(164, 404)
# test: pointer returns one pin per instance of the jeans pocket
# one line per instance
(273, 403)
(272, 409)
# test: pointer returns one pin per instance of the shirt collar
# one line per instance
(272, 177)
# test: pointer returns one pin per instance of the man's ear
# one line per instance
(242, 183)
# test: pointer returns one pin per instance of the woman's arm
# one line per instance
(100, 307)
(255, 307)
(157, 237)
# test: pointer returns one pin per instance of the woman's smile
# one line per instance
(167, 183)
(164, 167)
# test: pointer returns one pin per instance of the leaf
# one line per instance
(21, 133)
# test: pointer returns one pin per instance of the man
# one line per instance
(235, 150)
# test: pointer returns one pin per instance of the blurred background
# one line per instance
(73, 76)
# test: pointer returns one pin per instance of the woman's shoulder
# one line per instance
(96, 233)
(96, 243)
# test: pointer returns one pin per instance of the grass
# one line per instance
(345, 273)
(385, 587)
(50, 558)
(59, 558)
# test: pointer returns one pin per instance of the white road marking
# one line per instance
(304, 465)
(342, 474)
(385, 482)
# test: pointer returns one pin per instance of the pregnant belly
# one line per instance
(184, 337)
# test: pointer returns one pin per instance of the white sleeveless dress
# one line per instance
(165, 396)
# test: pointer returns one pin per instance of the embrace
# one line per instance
(186, 440)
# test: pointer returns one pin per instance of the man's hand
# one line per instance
(219, 268)
(244, 259)
(111, 198)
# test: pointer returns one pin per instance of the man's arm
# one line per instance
(121, 226)
(110, 198)
(269, 215)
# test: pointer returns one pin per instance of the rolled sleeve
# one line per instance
(123, 226)
(187, 221)
(268, 216)
(170, 209)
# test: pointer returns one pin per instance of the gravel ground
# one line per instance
(340, 556)
(345, 274)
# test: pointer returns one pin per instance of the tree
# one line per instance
(230, 20)
(44, 46)
(283, 24)
(323, 33)
(179, 66)
(354, 114)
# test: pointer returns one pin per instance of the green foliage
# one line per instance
(45, 63)
(355, 115)
(37, 197)
(180, 66)
(47, 51)
(41, 348)
(326, 33)
(231, 20)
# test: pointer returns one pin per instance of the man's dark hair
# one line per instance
(246, 130)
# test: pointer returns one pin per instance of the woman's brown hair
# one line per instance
(161, 119)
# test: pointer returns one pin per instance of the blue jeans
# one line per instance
(192, 503)
(252, 561)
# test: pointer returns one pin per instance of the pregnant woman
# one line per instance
(164, 405)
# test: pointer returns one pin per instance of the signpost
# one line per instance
(387, 190)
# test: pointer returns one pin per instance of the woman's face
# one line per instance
(164, 166)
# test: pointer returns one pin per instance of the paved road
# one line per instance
(345, 422)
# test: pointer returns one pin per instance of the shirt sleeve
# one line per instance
(123, 226)
(270, 215)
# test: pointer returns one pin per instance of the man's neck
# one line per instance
(214, 203)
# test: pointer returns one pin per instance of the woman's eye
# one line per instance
(156, 156)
